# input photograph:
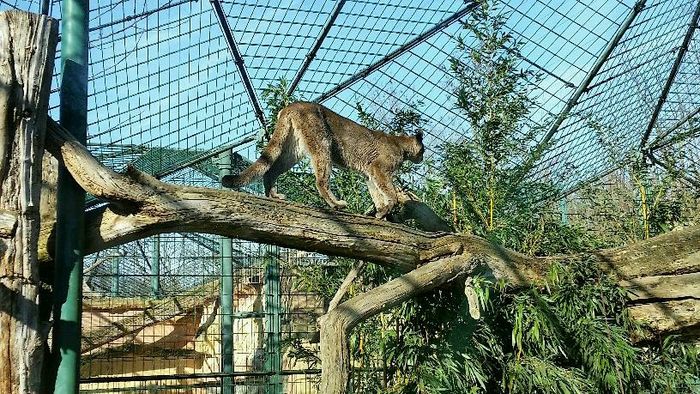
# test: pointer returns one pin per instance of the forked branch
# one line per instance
(141, 205)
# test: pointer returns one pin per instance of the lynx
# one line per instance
(328, 138)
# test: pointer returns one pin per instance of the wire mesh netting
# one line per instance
(162, 325)
(174, 84)
(162, 74)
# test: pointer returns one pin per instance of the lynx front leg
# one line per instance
(322, 170)
(387, 192)
(377, 196)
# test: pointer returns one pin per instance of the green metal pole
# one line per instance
(273, 326)
(564, 210)
(70, 200)
(226, 294)
(114, 291)
(155, 267)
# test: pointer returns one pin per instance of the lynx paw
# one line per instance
(340, 204)
(278, 196)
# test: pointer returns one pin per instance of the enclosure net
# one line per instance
(619, 73)
(170, 90)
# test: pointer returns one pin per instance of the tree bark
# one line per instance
(663, 304)
(337, 324)
(28, 45)
(354, 272)
(141, 205)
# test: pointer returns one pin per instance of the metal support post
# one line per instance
(70, 200)
(661, 140)
(471, 5)
(226, 294)
(155, 267)
(273, 326)
(692, 25)
(582, 88)
(238, 59)
(317, 45)
(114, 290)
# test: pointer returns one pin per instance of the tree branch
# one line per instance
(142, 205)
(337, 324)
(343, 289)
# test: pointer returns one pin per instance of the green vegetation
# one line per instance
(570, 334)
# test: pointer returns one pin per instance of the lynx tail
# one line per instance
(267, 158)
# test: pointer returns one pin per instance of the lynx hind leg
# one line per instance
(270, 155)
(271, 190)
(322, 170)
(284, 163)
(315, 142)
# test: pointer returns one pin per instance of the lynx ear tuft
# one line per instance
(419, 136)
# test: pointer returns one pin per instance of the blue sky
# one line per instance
(167, 79)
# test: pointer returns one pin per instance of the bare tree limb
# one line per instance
(664, 304)
(145, 206)
(142, 205)
(343, 289)
(337, 324)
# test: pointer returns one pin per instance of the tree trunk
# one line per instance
(28, 45)
(663, 304)
(337, 324)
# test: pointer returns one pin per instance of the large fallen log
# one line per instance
(141, 205)
(663, 303)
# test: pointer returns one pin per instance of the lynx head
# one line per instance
(416, 148)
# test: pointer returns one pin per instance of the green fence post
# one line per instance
(273, 326)
(115, 260)
(70, 200)
(155, 267)
(564, 210)
(226, 294)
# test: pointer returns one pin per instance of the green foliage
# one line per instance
(650, 196)
(483, 186)
(492, 93)
(413, 347)
(479, 183)
(570, 334)
(276, 97)
(535, 375)
(673, 367)
(403, 120)
(322, 280)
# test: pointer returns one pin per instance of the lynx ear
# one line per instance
(419, 136)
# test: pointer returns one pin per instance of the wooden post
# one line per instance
(28, 44)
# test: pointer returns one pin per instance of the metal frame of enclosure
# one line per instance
(175, 88)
